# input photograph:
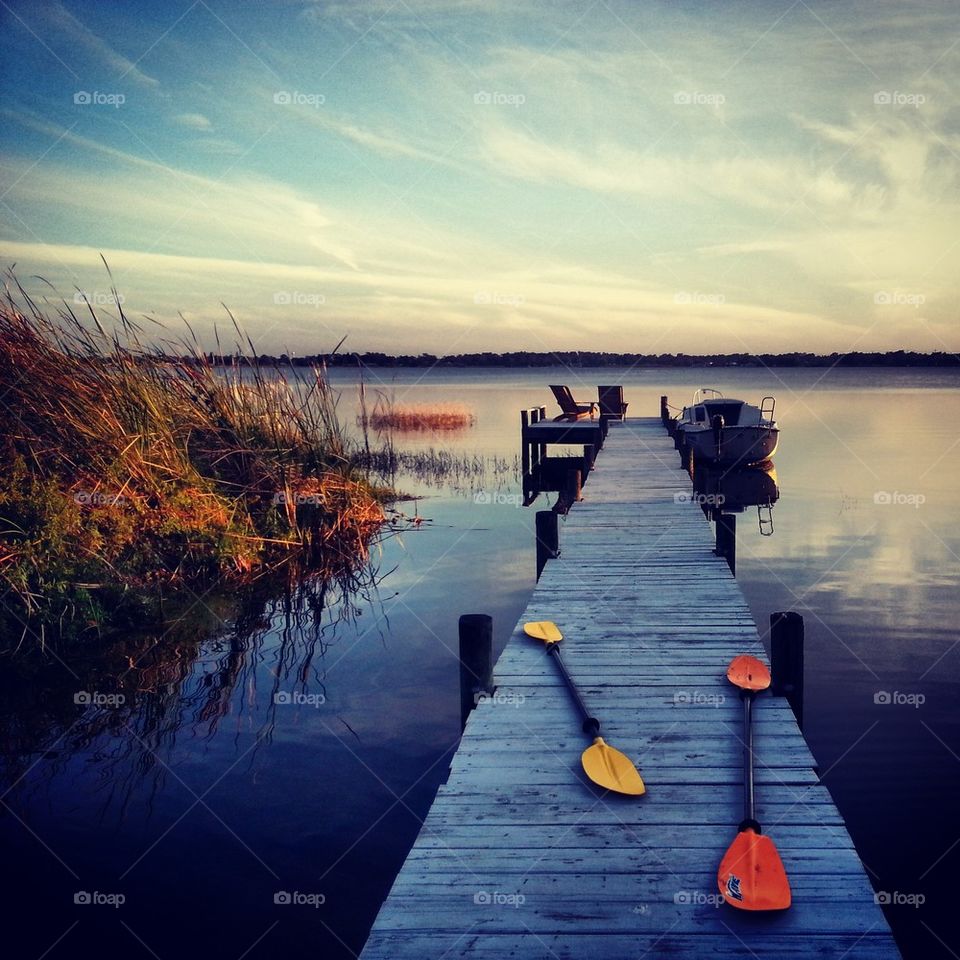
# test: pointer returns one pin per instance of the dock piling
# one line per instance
(726, 545)
(476, 661)
(548, 538)
(786, 659)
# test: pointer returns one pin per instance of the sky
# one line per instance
(452, 176)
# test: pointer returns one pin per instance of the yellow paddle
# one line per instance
(604, 765)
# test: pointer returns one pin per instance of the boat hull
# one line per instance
(743, 445)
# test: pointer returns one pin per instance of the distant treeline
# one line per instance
(585, 358)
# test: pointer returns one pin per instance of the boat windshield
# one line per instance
(728, 409)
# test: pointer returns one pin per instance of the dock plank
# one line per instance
(521, 856)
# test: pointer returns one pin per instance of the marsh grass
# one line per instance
(387, 415)
(131, 459)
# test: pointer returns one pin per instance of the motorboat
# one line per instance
(715, 429)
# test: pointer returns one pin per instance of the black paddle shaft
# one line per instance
(749, 818)
(591, 725)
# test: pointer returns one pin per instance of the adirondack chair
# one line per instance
(611, 402)
(572, 410)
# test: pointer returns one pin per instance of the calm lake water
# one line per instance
(282, 743)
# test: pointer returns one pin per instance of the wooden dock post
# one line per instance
(548, 538)
(786, 659)
(664, 411)
(571, 490)
(476, 660)
(727, 540)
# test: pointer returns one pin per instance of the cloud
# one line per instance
(57, 16)
(195, 121)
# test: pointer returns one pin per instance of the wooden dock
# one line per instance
(520, 856)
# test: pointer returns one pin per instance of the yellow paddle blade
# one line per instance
(748, 673)
(545, 630)
(609, 768)
(751, 874)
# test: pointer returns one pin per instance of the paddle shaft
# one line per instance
(591, 725)
(748, 797)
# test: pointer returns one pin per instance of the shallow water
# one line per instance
(205, 794)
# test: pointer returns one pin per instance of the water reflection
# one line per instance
(123, 705)
(726, 490)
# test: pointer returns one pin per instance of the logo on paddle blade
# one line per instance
(733, 887)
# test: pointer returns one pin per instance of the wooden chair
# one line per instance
(611, 402)
(572, 410)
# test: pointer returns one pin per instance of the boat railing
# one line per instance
(706, 393)
(767, 405)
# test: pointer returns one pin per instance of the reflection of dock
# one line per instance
(520, 856)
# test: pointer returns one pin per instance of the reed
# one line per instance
(130, 461)
(387, 415)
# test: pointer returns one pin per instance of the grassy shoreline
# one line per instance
(123, 471)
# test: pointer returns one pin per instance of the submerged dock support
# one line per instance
(786, 659)
(726, 546)
(548, 538)
(476, 661)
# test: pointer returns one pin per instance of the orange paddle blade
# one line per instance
(748, 673)
(751, 874)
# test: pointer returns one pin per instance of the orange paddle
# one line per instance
(751, 874)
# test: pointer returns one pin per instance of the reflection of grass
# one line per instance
(124, 467)
(460, 472)
(417, 417)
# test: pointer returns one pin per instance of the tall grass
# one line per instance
(124, 465)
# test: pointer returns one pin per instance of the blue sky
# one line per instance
(455, 175)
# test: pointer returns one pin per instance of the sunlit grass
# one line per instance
(417, 417)
(125, 466)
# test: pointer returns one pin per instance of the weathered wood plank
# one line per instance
(521, 856)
